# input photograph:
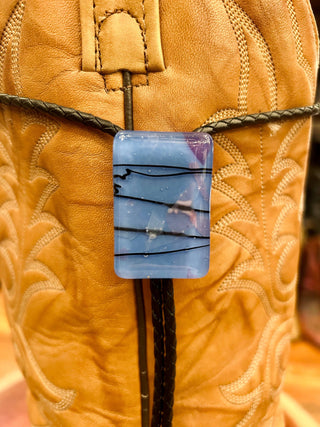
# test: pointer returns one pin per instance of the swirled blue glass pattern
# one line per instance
(162, 183)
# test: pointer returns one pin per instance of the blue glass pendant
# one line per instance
(162, 183)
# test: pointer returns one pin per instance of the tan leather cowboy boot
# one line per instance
(73, 320)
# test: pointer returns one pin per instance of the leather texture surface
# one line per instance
(73, 321)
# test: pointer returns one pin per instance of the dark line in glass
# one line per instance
(130, 171)
(165, 166)
(160, 232)
(170, 205)
(163, 252)
(116, 188)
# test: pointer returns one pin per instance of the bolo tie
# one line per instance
(161, 183)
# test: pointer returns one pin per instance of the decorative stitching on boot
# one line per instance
(288, 204)
(302, 60)
(146, 62)
(11, 246)
(144, 39)
(241, 21)
(263, 205)
(272, 289)
(96, 44)
(12, 32)
(18, 303)
(244, 59)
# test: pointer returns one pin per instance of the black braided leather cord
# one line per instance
(142, 350)
(110, 128)
(170, 348)
(61, 112)
(259, 118)
(165, 355)
(159, 363)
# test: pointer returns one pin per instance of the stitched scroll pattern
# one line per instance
(12, 250)
(26, 187)
(263, 271)
(302, 60)
(243, 26)
(277, 184)
(11, 36)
